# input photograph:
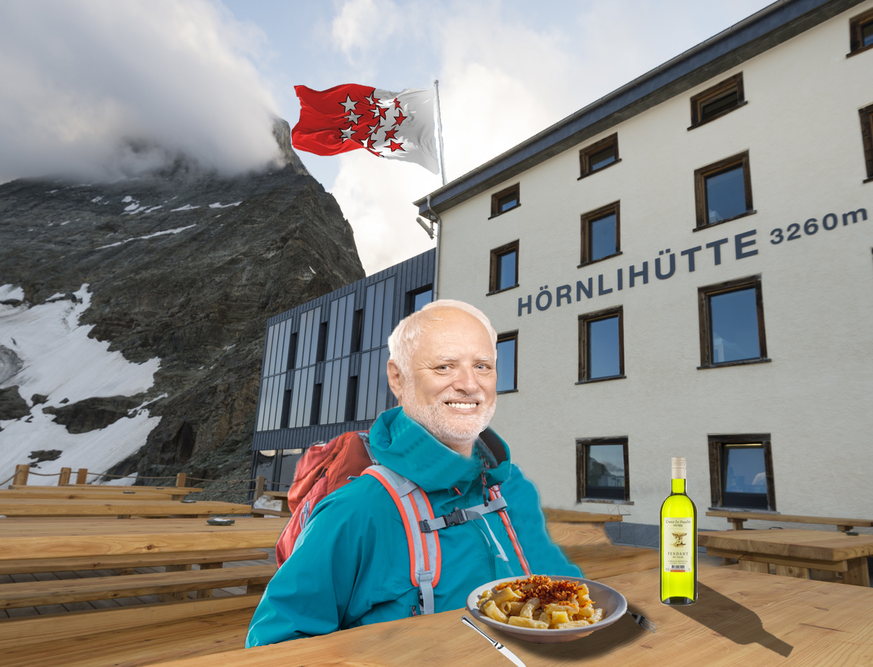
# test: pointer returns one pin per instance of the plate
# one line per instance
(610, 600)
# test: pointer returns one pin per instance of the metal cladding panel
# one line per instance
(384, 299)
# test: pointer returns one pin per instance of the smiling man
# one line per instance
(351, 564)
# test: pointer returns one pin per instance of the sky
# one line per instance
(105, 89)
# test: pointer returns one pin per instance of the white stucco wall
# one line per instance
(815, 399)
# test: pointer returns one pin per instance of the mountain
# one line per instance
(132, 313)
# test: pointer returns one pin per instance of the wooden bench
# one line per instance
(128, 563)
(132, 636)
(738, 518)
(36, 593)
(582, 537)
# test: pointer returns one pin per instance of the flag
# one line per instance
(398, 126)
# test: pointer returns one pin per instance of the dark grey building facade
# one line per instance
(323, 371)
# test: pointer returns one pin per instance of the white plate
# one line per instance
(610, 600)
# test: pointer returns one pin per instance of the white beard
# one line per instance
(456, 429)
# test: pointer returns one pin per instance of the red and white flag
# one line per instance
(344, 118)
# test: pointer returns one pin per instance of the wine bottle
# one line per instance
(678, 542)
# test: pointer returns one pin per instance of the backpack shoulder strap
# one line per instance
(425, 559)
(494, 493)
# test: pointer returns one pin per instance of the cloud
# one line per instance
(505, 73)
(100, 88)
(373, 194)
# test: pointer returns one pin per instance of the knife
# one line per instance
(509, 655)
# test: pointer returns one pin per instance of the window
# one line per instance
(505, 200)
(867, 136)
(504, 268)
(601, 345)
(723, 191)
(717, 101)
(598, 156)
(415, 301)
(600, 234)
(861, 33)
(732, 323)
(507, 355)
(602, 470)
(741, 472)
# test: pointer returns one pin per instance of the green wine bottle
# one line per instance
(678, 542)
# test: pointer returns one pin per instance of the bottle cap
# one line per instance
(678, 467)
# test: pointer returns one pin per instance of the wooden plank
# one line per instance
(66, 493)
(795, 543)
(139, 646)
(114, 507)
(792, 518)
(204, 559)
(35, 593)
(574, 534)
(52, 538)
(43, 629)
(831, 566)
(572, 516)
(110, 488)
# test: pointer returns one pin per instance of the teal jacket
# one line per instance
(350, 565)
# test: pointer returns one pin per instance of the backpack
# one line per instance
(325, 467)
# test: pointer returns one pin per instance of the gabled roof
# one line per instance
(759, 32)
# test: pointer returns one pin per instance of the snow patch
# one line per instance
(61, 362)
(9, 292)
(220, 205)
(148, 236)
(186, 207)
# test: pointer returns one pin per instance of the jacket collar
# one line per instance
(406, 447)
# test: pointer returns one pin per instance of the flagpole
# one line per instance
(436, 85)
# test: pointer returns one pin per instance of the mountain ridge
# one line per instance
(180, 265)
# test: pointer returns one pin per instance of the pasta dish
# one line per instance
(540, 602)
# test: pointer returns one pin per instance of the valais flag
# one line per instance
(349, 117)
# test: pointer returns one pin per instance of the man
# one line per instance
(350, 565)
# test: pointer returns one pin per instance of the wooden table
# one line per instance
(794, 552)
(60, 538)
(741, 618)
(737, 519)
(99, 490)
(45, 507)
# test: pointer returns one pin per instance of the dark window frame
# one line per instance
(856, 28)
(510, 335)
(583, 351)
(494, 268)
(716, 463)
(513, 191)
(714, 169)
(866, 115)
(716, 93)
(582, 453)
(705, 320)
(592, 216)
(586, 154)
(411, 297)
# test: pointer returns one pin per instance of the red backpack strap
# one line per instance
(494, 492)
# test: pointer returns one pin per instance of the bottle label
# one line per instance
(676, 543)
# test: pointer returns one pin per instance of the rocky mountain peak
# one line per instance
(175, 272)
